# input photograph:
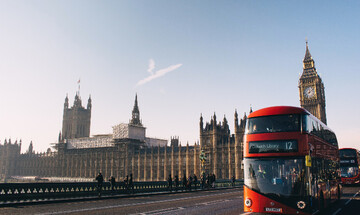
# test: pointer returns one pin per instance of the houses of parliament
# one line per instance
(127, 150)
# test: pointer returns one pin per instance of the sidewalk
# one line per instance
(105, 196)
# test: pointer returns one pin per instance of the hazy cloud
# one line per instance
(158, 73)
(151, 66)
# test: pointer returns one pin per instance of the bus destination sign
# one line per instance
(273, 146)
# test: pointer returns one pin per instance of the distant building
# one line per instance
(126, 151)
(311, 88)
(76, 120)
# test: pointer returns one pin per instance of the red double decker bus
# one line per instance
(349, 165)
(291, 162)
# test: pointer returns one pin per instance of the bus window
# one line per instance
(347, 153)
(349, 172)
(271, 124)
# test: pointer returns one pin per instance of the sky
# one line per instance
(183, 59)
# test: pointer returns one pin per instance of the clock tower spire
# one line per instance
(311, 88)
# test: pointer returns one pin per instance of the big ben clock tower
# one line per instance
(311, 87)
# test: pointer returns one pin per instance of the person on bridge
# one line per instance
(131, 183)
(126, 182)
(208, 181)
(112, 183)
(213, 179)
(189, 182)
(176, 182)
(203, 179)
(184, 181)
(195, 181)
(169, 180)
(100, 179)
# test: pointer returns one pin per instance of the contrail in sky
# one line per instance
(151, 66)
(157, 74)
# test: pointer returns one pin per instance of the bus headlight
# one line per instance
(301, 204)
(248, 202)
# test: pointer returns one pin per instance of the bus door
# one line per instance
(311, 177)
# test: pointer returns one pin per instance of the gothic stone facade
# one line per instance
(126, 151)
(224, 151)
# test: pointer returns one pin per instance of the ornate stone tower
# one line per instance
(311, 88)
(9, 154)
(76, 120)
(239, 144)
(214, 139)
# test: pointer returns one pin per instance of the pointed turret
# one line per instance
(89, 103)
(236, 120)
(307, 53)
(225, 122)
(30, 150)
(135, 120)
(66, 103)
(77, 101)
(59, 137)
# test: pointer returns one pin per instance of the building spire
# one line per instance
(307, 53)
(66, 103)
(89, 103)
(135, 120)
(31, 148)
(308, 64)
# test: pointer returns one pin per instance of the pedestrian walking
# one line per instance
(189, 182)
(233, 181)
(126, 183)
(203, 179)
(195, 181)
(169, 180)
(213, 180)
(176, 182)
(208, 180)
(112, 184)
(131, 183)
(100, 179)
(184, 182)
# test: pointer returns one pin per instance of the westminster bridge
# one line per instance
(146, 198)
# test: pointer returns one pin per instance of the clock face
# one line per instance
(309, 92)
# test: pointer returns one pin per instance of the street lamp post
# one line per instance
(203, 160)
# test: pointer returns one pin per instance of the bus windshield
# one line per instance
(275, 176)
(270, 124)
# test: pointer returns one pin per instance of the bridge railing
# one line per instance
(33, 192)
